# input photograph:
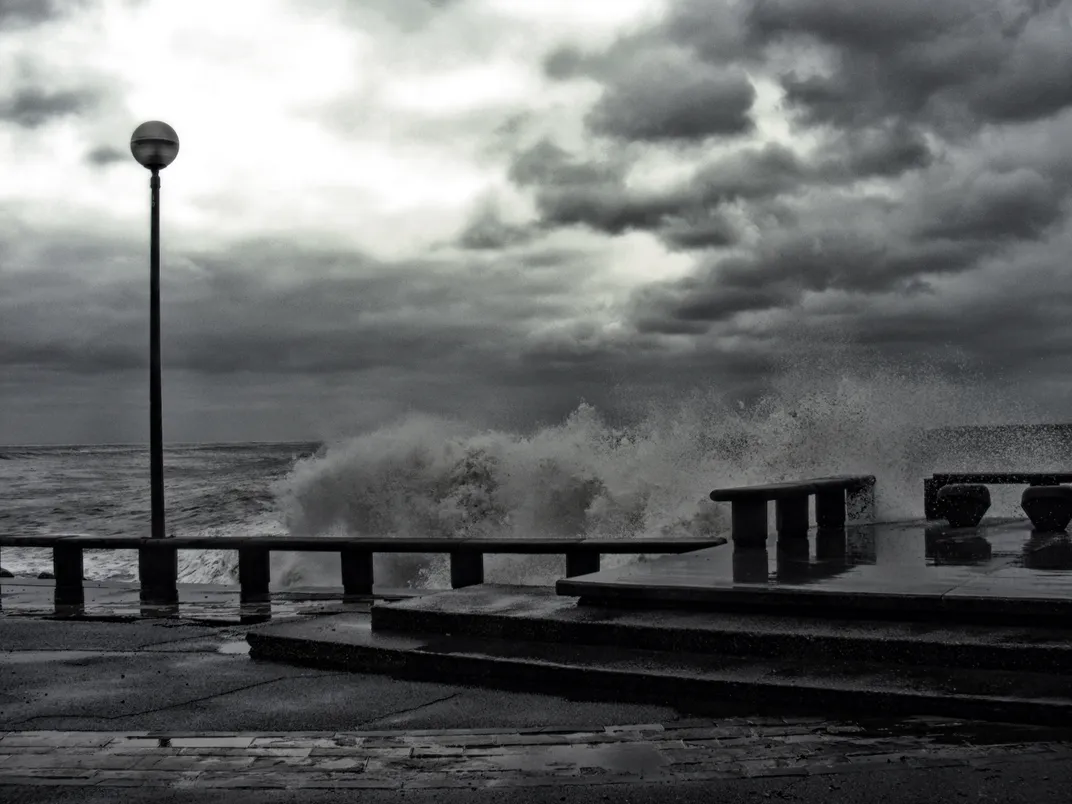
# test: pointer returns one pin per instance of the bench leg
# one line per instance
(158, 571)
(749, 523)
(751, 565)
(830, 508)
(581, 563)
(466, 569)
(254, 575)
(791, 516)
(67, 567)
(357, 573)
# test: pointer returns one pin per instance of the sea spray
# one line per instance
(429, 477)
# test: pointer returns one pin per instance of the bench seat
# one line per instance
(749, 505)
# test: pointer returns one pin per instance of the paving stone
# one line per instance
(212, 742)
(40, 781)
(291, 742)
(280, 764)
(389, 753)
(437, 751)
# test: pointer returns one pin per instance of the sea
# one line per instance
(585, 475)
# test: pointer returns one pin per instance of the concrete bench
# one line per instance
(749, 505)
(157, 558)
(931, 485)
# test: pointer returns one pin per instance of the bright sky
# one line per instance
(291, 122)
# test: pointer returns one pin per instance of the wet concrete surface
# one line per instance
(207, 603)
(614, 758)
(173, 675)
(1016, 782)
(91, 709)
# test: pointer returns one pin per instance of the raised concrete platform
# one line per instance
(998, 572)
(539, 615)
(674, 678)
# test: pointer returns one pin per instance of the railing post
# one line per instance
(791, 516)
(581, 562)
(158, 571)
(466, 569)
(67, 567)
(749, 522)
(254, 574)
(830, 508)
(830, 544)
(357, 573)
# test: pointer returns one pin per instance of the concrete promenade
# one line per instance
(177, 709)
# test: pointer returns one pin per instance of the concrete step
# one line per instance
(536, 614)
(689, 681)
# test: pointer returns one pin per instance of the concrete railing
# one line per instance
(158, 558)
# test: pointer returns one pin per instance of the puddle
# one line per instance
(234, 648)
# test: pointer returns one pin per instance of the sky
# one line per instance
(493, 209)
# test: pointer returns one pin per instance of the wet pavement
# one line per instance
(675, 752)
(209, 603)
(179, 708)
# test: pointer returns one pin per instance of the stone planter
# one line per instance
(963, 504)
(1048, 507)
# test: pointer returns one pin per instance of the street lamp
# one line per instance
(155, 145)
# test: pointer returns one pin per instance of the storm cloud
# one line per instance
(33, 107)
(495, 216)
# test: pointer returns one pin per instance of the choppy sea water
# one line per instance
(428, 477)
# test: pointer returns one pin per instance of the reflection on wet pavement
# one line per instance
(197, 603)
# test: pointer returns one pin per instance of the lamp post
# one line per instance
(155, 145)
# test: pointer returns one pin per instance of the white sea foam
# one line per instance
(429, 477)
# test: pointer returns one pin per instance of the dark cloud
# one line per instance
(885, 151)
(693, 306)
(669, 98)
(692, 213)
(571, 191)
(566, 62)
(487, 231)
(34, 107)
(1019, 204)
(947, 64)
(19, 13)
(708, 229)
(870, 246)
(751, 173)
(266, 306)
(104, 155)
